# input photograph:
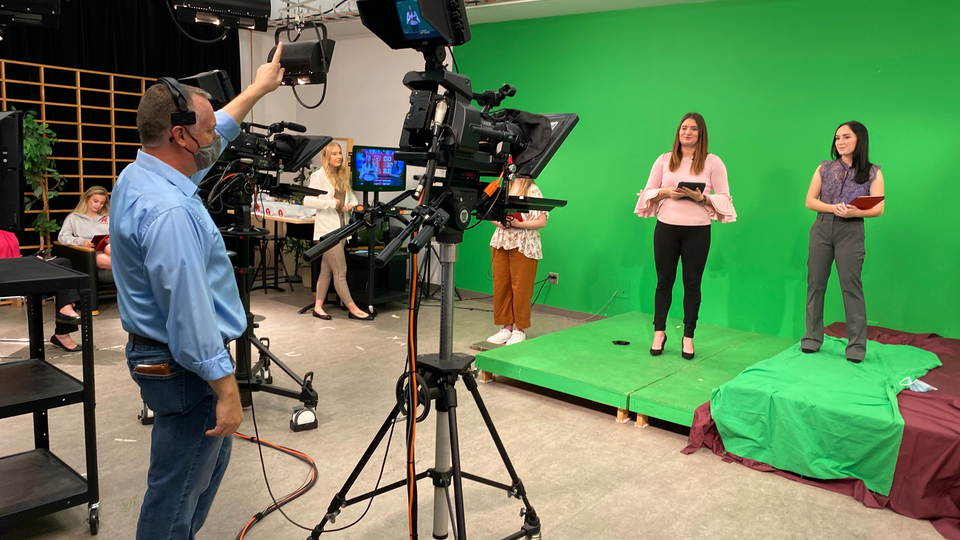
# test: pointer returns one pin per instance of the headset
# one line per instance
(184, 116)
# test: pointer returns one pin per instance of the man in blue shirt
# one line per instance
(179, 301)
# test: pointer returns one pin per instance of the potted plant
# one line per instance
(296, 247)
(41, 174)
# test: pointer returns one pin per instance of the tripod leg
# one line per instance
(340, 498)
(451, 398)
(441, 477)
(531, 521)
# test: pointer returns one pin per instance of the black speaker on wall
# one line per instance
(12, 183)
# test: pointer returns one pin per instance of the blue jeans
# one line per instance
(186, 466)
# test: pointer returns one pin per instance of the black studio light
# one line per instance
(305, 62)
(226, 14)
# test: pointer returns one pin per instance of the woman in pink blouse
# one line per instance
(515, 253)
(683, 223)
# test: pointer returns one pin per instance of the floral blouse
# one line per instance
(526, 240)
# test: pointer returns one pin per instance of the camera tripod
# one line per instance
(437, 375)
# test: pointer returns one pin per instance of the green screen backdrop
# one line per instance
(773, 79)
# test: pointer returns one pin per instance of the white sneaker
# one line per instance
(500, 337)
(516, 337)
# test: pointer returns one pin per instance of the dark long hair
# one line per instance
(699, 153)
(861, 154)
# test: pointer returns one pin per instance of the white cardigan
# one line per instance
(326, 205)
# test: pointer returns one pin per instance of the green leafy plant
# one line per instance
(296, 246)
(40, 171)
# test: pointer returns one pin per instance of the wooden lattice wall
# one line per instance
(94, 115)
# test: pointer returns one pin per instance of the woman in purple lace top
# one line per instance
(837, 235)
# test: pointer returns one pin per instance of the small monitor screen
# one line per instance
(375, 169)
(413, 24)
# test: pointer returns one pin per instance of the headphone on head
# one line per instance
(184, 116)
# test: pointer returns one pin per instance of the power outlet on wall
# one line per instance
(553, 278)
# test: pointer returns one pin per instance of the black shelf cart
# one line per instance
(37, 482)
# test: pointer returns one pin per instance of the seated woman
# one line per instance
(88, 220)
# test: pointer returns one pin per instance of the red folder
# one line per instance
(866, 203)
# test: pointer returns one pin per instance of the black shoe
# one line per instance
(367, 318)
(319, 316)
(855, 361)
(67, 319)
(55, 341)
(807, 350)
(686, 355)
(658, 352)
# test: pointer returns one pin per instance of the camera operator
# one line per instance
(179, 300)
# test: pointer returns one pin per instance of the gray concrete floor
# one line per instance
(587, 476)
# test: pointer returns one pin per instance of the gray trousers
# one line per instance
(837, 239)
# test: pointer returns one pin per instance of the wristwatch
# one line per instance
(703, 200)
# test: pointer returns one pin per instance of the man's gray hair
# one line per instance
(156, 106)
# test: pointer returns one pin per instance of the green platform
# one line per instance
(583, 362)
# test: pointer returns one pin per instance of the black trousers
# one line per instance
(65, 297)
(671, 244)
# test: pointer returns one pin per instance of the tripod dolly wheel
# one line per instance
(303, 418)
(372, 310)
(146, 415)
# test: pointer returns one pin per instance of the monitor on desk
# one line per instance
(375, 169)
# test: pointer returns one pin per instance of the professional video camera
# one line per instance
(443, 129)
(253, 154)
(257, 155)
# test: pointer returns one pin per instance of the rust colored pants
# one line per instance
(513, 277)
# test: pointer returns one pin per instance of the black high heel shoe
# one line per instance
(686, 355)
(658, 352)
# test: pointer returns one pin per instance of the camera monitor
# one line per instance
(12, 183)
(376, 169)
(416, 24)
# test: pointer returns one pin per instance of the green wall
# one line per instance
(773, 79)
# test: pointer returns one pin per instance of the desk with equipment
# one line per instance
(277, 251)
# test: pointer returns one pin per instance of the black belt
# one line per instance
(136, 339)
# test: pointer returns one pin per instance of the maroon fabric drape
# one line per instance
(926, 482)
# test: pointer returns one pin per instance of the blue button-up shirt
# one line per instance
(175, 283)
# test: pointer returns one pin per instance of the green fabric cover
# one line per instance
(819, 415)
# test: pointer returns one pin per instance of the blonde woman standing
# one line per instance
(516, 252)
(333, 176)
(89, 219)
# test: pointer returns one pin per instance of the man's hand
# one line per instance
(269, 75)
(229, 411)
(88, 243)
